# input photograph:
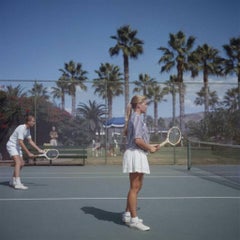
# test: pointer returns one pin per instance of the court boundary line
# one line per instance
(106, 177)
(120, 198)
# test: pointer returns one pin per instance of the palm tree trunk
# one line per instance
(206, 92)
(74, 104)
(181, 96)
(174, 105)
(155, 117)
(182, 109)
(110, 107)
(239, 91)
(63, 102)
(126, 82)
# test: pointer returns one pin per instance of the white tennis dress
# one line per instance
(134, 158)
(13, 147)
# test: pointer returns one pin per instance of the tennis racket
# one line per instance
(50, 154)
(173, 137)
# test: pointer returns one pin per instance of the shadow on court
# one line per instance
(103, 215)
(5, 184)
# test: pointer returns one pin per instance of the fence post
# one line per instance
(188, 155)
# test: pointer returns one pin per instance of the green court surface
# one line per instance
(72, 203)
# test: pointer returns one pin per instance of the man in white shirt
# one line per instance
(15, 145)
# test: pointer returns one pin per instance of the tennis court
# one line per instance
(74, 202)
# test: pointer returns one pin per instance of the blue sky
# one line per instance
(39, 36)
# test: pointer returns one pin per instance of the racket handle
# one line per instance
(163, 143)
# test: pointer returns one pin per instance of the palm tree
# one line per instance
(39, 91)
(108, 84)
(171, 88)
(60, 90)
(75, 77)
(231, 99)
(93, 114)
(131, 47)
(177, 55)
(157, 94)
(207, 60)
(232, 63)
(212, 98)
(142, 85)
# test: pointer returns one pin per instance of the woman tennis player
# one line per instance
(135, 160)
(15, 145)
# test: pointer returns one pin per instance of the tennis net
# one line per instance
(218, 159)
(209, 153)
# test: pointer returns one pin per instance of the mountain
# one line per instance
(188, 117)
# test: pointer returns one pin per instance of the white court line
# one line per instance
(120, 198)
(116, 177)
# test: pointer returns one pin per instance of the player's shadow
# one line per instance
(5, 184)
(103, 215)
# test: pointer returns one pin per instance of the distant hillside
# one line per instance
(188, 117)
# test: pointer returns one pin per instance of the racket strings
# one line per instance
(174, 135)
(52, 154)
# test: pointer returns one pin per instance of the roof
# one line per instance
(116, 122)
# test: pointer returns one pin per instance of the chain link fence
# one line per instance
(91, 119)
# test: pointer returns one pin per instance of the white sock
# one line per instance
(135, 219)
(127, 214)
(18, 180)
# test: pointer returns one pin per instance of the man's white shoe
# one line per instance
(139, 225)
(20, 186)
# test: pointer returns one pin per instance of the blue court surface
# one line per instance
(73, 203)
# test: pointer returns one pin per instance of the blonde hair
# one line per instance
(132, 106)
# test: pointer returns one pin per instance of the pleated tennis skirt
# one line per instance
(135, 160)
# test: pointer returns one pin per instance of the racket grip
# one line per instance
(163, 143)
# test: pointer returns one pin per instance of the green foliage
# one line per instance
(155, 138)
(220, 126)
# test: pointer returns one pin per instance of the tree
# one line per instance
(207, 60)
(131, 47)
(75, 77)
(13, 107)
(171, 88)
(177, 55)
(232, 62)
(157, 94)
(93, 114)
(230, 100)
(60, 90)
(150, 123)
(143, 83)
(212, 98)
(108, 84)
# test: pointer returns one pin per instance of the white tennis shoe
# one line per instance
(139, 226)
(20, 186)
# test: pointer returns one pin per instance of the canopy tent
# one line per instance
(117, 122)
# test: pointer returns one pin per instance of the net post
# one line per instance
(188, 155)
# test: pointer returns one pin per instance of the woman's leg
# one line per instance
(136, 181)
